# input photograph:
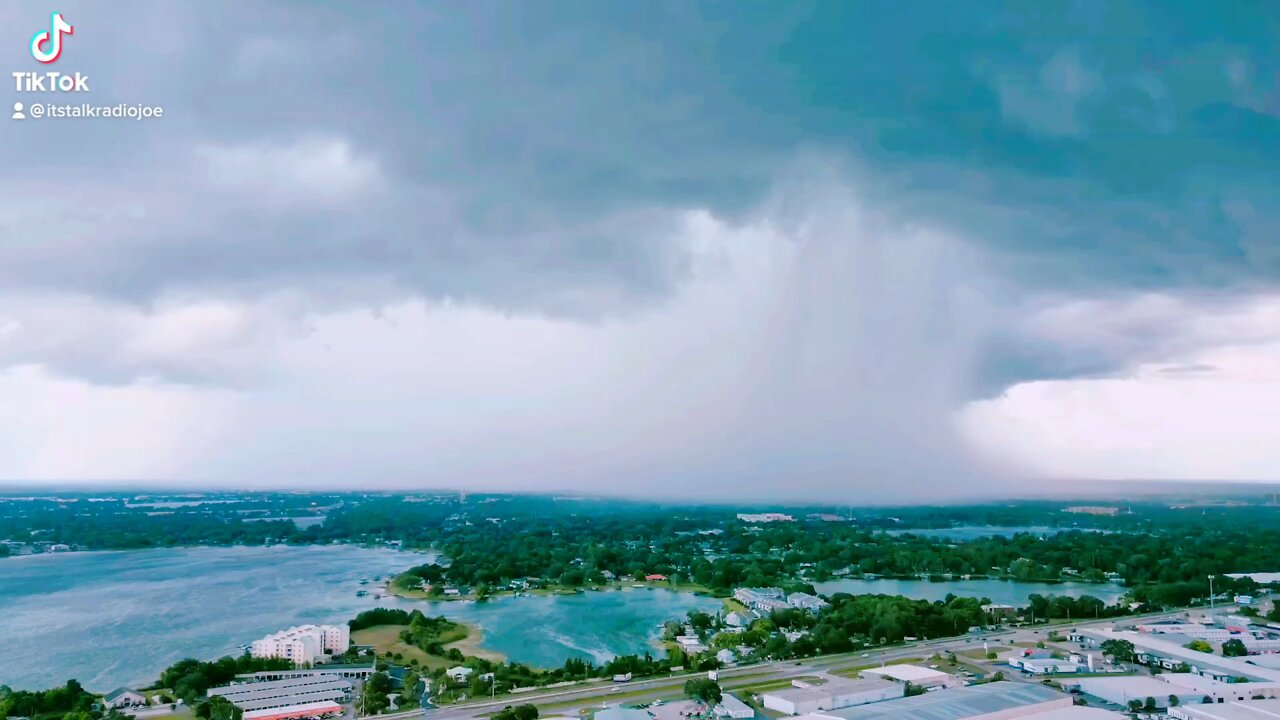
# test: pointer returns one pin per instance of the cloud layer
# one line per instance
(698, 250)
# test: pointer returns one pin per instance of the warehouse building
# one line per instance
(992, 701)
(297, 712)
(805, 698)
(1152, 650)
(1255, 710)
(274, 694)
(918, 676)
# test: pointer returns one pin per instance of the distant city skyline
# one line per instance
(806, 251)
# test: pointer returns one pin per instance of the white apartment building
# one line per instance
(303, 644)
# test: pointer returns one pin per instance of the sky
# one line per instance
(806, 250)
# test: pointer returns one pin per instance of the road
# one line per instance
(594, 693)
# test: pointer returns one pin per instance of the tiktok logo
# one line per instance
(46, 45)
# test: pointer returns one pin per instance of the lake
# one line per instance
(1002, 592)
(119, 618)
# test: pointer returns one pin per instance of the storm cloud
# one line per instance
(680, 249)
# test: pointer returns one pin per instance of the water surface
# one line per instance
(119, 618)
(1001, 592)
(965, 533)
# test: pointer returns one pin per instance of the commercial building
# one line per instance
(621, 713)
(914, 674)
(1153, 650)
(1254, 710)
(732, 707)
(804, 698)
(1042, 662)
(999, 613)
(765, 517)
(1189, 688)
(1047, 665)
(992, 701)
(303, 644)
(296, 712)
(275, 694)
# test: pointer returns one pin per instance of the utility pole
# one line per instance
(1211, 595)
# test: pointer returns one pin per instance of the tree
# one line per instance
(1173, 701)
(220, 708)
(1121, 650)
(1199, 646)
(411, 683)
(1149, 705)
(704, 690)
(519, 712)
(375, 698)
(1234, 648)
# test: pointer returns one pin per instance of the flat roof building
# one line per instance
(296, 712)
(284, 693)
(732, 707)
(1255, 710)
(1169, 655)
(832, 695)
(1003, 700)
(621, 713)
(303, 644)
(919, 676)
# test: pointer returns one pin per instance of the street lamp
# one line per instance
(1211, 594)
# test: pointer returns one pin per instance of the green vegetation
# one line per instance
(498, 543)
(379, 616)
(1120, 650)
(376, 698)
(66, 700)
(189, 679)
(218, 708)
(503, 544)
(519, 712)
(1199, 646)
(703, 690)
(1234, 648)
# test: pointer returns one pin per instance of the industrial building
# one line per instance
(1256, 710)
(1153, 650)
(1189, 688)
(732, 707)
(805, 698)
(296, 712)
(992, 701)
(285, 693)
(918, 676)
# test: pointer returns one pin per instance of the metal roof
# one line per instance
(954, 704)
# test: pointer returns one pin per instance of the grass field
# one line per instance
(385, 639)
(980, 654)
